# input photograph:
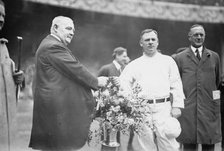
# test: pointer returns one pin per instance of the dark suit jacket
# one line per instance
(200, 119)
(221, 87)
(63, 102)
(109, 70)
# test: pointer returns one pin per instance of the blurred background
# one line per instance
(102, 25)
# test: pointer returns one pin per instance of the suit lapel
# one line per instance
(115, 69)
(192, 56)
(205, 55)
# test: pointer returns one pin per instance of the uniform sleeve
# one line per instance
(175, 57)
(176, 86)
(65, 63)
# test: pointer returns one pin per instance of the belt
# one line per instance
(158, 100)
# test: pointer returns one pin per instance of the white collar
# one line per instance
(153, 56)
(56, 37)
(117, 65)
(199, 49)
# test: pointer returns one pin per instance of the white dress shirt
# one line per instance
(199, 50)
(56, 37)
(158, 76)
(117, 65)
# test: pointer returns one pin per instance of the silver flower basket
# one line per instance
(110, 137)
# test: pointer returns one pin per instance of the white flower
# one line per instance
(120, 100)
(116, 101)
(95, 93)
(120, 93)
(108, 113)
(116, 108)
(106, 93)
(101, 104)
(131, 121)
(120, 118)
(141, 110)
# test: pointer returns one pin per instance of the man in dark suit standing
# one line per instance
(120, 60)
(63, 101)
(200, 72)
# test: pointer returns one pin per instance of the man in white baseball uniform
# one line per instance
(159, 78)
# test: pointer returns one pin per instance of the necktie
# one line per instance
(197, 54)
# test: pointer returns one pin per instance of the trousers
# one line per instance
(194, 147)
(156, 140)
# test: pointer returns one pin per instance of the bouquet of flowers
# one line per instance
(120, 112)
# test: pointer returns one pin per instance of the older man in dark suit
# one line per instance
(200, 72)
(63, 101)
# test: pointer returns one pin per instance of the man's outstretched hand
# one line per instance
(102, 81)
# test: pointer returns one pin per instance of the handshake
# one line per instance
(102, 81)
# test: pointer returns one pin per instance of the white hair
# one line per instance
(58, 21)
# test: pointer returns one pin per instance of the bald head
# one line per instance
(63, 28)
(60, 20)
